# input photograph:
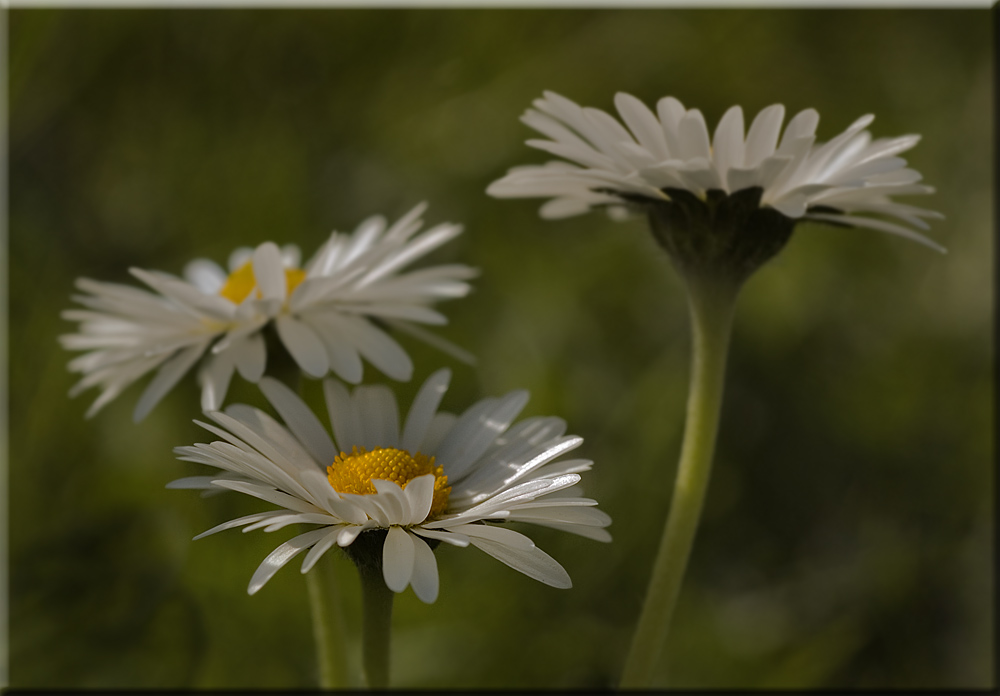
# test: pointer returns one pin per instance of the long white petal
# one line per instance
(344, 417)
(378, 416)
(424, 407)
(533, 562)
(425, 572)
(282, 555)
(300, 419)
(398, 554)
(304, 345)
(269, 271)
(251, 359)
(167, 376)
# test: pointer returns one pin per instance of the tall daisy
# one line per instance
(388, 494)
(325, 313)
(720, 206)
(664, 164)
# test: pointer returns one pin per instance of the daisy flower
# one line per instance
(324, 313)
(655, 159)
(441, 478)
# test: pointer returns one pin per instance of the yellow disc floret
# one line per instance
(353, 473)
(242, 282)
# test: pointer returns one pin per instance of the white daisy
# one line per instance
(653, 156)
(322, 313)
(439, 479)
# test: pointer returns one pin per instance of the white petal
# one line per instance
(533, 562)
(321, 547)
(419, 494)
(802, 125)
(762, 138)
(440, 426)
(670, 112)
(397, 559)
(282, 555)
(240, 521)
(347, 535)
(239, 257)
(304, 345)
(391, 499)
(563, 207)
(341, 354)
(344, 417)
(644, 124)
(595, 533)
(270, 272)
(214, 378)
(424, 407)
(727, 150)
(251, 359)
(501, 535)
(425, 572)
(378, 416)
(291, 256)
(300, 420)
(205, 275)
(693, 135)
(443, 345)
(166, 377)
(449, 537)
(380, 349)
(881, 226)
(476, 429)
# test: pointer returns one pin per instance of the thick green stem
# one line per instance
(711, 305)
(328, 625)
(376, 601)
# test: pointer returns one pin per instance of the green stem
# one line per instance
(324, 599)
(328, 624)
(711, 305)
(376, 609)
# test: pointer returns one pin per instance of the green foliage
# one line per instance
(848, 530)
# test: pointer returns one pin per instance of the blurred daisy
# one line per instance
(656, 158)
(439, 479)
(322, 313)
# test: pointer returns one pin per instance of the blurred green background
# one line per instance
(848, 534)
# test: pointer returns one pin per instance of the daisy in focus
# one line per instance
(667, 159)
(395, 491)
(324, 313)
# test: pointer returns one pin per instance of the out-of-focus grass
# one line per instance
(848, 531)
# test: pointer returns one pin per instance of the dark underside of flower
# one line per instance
(724, 236)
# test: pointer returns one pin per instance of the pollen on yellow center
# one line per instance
(353, 473)
(242, 282)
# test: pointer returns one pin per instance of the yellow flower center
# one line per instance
(242, 282)
(353, 473)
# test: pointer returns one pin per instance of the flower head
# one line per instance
(654, 161)
(440, 478)
(323, 313)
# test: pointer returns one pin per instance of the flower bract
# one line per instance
(399, 489)
(324, 313)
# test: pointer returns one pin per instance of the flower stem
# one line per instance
(324, 598)
(711, 305)
(328, 624)
(376, 601)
